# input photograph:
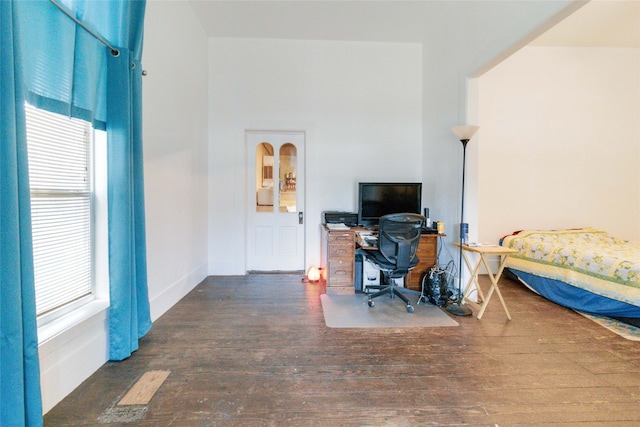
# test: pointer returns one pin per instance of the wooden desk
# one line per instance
(338, 259)
(483, 252)
(427, 253)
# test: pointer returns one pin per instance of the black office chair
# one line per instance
(398, 238)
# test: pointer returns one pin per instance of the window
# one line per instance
(60, 174)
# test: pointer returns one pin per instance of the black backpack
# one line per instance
(434, 286)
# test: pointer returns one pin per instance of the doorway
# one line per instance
(275, 201)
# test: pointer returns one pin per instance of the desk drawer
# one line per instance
(346, 237)
(341, 250)
(340, 272)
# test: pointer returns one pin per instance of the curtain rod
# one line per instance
(114, 51)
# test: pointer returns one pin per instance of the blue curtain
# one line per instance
(64, 65)
(71, 72)
(51, 62)
(129, 314)
(20, 401)
(129, 309)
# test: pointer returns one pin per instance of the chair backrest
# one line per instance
(398, 238)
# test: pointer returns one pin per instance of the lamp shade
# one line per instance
(465, 132)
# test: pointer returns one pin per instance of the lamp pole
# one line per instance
(464, 134)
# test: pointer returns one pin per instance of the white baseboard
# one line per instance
(175, 292)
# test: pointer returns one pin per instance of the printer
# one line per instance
(339, 217)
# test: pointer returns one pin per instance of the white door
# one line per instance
(275, 201)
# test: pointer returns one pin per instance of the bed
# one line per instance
(583, 269)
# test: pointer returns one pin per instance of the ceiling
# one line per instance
(379, 21)
(600, 23)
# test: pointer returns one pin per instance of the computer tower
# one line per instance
(358, 273)
(370, 275)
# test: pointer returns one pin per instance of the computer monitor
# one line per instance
(376, 199)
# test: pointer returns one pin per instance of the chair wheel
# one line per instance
(370, 302)
(409, 309)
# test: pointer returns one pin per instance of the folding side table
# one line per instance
(484, 251)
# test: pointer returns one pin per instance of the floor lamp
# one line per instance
(464, 134)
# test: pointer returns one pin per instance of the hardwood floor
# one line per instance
(254, 351)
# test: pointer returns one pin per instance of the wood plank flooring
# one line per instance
(254, 351)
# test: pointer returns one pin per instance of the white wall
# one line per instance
(176, 146)
(484, 34)
(175, 141)
(359, 104)
(559, 144)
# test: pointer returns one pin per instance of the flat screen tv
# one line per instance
(376, 199)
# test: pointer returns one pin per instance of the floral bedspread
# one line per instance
(587, 258)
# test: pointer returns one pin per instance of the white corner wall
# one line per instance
(483, 35)
(359, 104)
(175, 143)
(559, 144)
(175, 131)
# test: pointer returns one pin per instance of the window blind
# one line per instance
(61, 207)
